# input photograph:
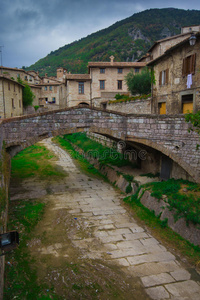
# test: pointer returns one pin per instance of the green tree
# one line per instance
(139, 83)
(27, 96)
(194, 119)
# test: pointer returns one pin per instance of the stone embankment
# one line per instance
(187, 230)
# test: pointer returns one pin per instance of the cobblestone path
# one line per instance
(98, 209)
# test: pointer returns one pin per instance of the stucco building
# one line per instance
(177, 74)
(10, 98)
(108, 79)
(78, 89)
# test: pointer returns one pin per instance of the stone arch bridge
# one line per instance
(167, 134)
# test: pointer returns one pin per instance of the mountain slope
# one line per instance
(127, 40)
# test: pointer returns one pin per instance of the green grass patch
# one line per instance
(93, 149)
(20, 276)
(187, 205)
(162, 231)
(35, 161)
(84, 164)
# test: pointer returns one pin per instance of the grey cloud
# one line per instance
(30, 29)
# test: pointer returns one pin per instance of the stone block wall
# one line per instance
(132, 107)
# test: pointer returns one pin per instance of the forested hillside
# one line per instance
(127, 40)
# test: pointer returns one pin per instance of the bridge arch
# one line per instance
(166, 134)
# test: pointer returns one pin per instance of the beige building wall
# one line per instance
(175, 89)
(186, 29)
(74, 94)
(54, 93)
(108, 79)
(10, 98)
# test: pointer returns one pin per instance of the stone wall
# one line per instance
(4, 192)
(188, 231)
(132, 107)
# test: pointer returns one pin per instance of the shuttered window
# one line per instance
(164, 77)
(189, 65)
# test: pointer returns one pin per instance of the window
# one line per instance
(25, 78)
(53, 100)
(30, 78)
(45, 88)
(14, 87)
(102, 70)
(20, 105)
(9, 86)
(164, 77)
(50, 88)
(137, 70)
(102, 84)
(13, 103)
(119, 84)
(162, 108)
(81, 87)
(189, 65)
(187, 103)
(120, 70)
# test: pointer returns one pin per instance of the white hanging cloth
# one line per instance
(189, 81)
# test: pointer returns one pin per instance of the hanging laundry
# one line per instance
(189, 81)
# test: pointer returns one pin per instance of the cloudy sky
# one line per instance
(30, 29)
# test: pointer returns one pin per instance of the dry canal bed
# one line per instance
(88, 246)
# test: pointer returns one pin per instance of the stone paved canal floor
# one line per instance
(103, 229)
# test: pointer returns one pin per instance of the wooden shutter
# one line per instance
(193, 61)
(167, 76)
(160, 78)
(184, 67)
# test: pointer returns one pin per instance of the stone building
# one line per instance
(107, 79)
(30, 77)
(10, 98)
(78, 89)
(177, 74)
(52, 92)
(161, 46)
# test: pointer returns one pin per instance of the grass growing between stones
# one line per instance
(161, 231)
(35, 161)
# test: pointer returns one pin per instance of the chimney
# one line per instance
(112, 59)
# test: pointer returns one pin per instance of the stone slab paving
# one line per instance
(113, 235)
